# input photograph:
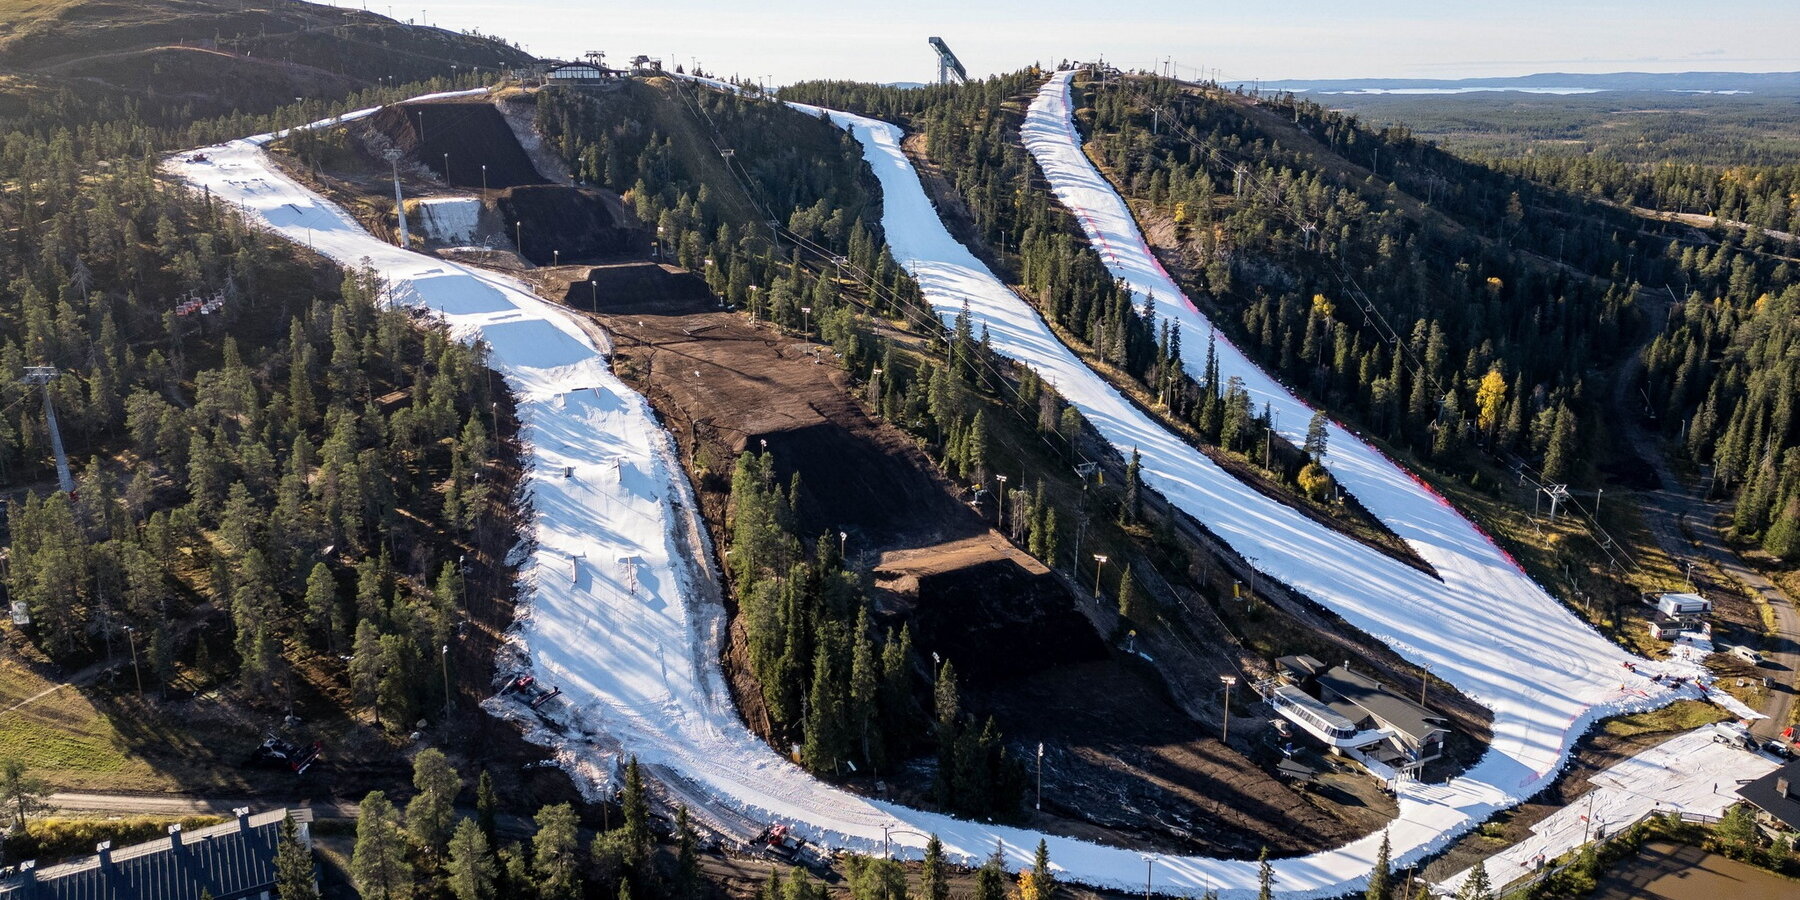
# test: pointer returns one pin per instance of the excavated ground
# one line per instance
(1123, 762)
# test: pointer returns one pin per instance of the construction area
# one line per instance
(1132, 750)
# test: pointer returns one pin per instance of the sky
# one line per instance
(790, 40)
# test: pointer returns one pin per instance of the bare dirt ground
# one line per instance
(1123, 761)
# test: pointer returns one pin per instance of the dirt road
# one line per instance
(1683, 522)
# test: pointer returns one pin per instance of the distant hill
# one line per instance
(214, 56)
(1714, 82)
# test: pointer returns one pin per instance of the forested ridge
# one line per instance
(263, 487)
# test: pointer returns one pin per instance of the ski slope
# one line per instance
(619, 609)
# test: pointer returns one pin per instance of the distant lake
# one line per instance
(1463, 90)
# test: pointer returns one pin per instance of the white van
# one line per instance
(1745, 653)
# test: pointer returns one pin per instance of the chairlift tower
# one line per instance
(41, 376)
(393, 155)
(948, 64)
(1559, 494)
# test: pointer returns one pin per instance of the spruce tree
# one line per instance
(637, 818)
(1476, 886)
(293, 864)
(487, 806)
(990, 879)
(1380, 887)
(687, 864)
(1265, 876)
(933, 877)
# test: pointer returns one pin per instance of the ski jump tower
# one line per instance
(948, 64)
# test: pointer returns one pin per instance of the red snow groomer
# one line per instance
(780, 842)
(535, 695)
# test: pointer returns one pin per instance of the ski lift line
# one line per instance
(1384, 330)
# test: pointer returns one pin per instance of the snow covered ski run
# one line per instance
(619, 610)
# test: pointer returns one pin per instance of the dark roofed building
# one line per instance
(231, 861)
(1777, 794)
(1415, 733)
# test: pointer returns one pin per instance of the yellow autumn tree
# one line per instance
(1488, 398)
(1322, 306)
(1314, 480)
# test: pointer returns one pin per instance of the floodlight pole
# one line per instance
(1228, 680)
(444, 655)
(1099, 564)
(392, 155)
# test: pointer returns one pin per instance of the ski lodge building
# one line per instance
(1355, 714)
(231, 861)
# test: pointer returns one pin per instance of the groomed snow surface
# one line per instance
(620, 612)
(1692, 774)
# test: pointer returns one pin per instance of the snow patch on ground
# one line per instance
(1691, 774)
(450, 220)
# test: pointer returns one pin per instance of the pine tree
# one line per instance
(471, 869)
(293, 864)
(431, 814)
(378, 864)
(1317, 434)
(553, 853)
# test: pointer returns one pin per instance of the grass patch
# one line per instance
(1682, 715)
(48, 840)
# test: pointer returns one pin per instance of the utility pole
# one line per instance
(392, 155)
(1149, 864)
(41, 376)
(1424, 682)
(594, 293)
(131, 638)
(1002, 520)
(1099, 563)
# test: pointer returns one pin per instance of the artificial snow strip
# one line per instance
(620, 610)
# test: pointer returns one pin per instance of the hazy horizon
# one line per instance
(789, 40)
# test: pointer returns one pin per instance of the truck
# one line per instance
(1682, 604)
